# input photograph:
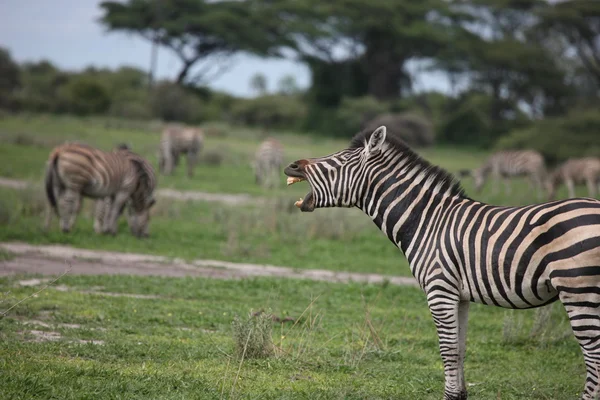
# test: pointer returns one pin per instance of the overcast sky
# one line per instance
(67, 33)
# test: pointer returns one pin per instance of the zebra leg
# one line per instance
(68, 204)
(102, 207)
(570, 187)
(112, 215)
(591, 187)
(450, 317)
(192, 157)
(584, 315)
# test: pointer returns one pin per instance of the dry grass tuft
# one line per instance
(253, 335)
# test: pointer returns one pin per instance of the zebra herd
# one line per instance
(461, 250)
(509, 164)
(122, 179)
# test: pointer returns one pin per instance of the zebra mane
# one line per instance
(443, 180)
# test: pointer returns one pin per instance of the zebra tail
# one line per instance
(50, 177)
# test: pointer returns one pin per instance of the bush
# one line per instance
(575, 135)
(270, 111)
(354, 113)
(412, 128)
(171, 102)
(468, 121)
(87, 96)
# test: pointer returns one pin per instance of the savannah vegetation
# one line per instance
(523, 74)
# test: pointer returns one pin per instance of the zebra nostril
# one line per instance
(293, 166)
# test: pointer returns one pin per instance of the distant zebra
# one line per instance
(510, 164)
(118, 178)
(176, 140)
(268, 161)
(575, 171)
(461, 250)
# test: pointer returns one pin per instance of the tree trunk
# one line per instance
(383, 66)
(183, 74)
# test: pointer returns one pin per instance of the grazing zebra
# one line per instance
(117, 178)
(575, 171)
(176, 140)
(509, 164)
(268, 161)
(461, 250)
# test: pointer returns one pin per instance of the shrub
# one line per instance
(171, 102)
(575, 135)
(87, 96)
(270, 111)
(412, 128)
(468, 120)
(354, 113)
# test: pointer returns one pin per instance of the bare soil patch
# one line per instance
(54, 259)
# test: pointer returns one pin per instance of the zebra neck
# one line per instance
(401, 201)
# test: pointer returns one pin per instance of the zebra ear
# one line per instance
(377, 139)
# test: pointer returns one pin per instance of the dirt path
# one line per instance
(227, 198)
(54, 259)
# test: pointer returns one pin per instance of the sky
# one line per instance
(67, 33)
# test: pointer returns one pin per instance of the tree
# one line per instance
(381, 35)
(287, 85)
(258, 83)
(496, 54)
(201, 33)
(10, 78)
(576, 24)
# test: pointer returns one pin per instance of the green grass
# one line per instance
(277, 234)
(180, 346)
(26, 140)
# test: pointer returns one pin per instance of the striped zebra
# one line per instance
(268, 161)
(575, 171)
(510, 164)
(176, 140)
(461, 250)
(115, 179)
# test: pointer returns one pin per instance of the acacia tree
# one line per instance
(572, 29)
(202, 34)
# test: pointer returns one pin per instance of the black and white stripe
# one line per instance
(461, 250)
(115, 179)
(507, 165)
(176, 140)
(573, 172)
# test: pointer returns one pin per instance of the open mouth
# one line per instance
(308, 203)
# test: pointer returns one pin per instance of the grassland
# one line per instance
(26, 140)
(177, 343)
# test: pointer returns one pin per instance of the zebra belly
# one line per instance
(526, 295)
(98, 191)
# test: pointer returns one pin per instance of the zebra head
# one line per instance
(337, 180)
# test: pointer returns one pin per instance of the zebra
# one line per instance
(575, 171)
(509, 164)
(461, 250)
(268, 160)
(115, 179)
(176, 140)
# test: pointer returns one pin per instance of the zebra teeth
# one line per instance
(292, 180)
(299, 203)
